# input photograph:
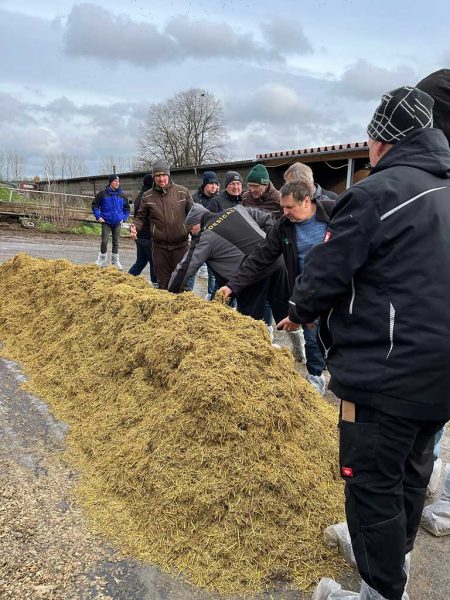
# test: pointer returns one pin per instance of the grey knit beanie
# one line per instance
(160, 165)
(232, 176)
(195, 215)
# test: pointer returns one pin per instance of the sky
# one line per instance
(78, 77)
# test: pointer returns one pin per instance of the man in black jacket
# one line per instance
(144, 238)
(381, 284)
(231, 195)
(303, 225)
(208, 189)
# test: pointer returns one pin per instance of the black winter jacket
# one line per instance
(382, 283)
(222, 201)
(281, 240)
(201, 198)
(144, 233)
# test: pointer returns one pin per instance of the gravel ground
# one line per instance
(47, 549)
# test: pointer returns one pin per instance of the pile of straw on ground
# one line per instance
(199, 447)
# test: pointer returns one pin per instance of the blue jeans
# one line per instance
(267, 314)
(315, 362)
(437, 443)
(212, 286)
(190, 283)
(143, 256)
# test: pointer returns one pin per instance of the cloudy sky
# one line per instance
(77, 77)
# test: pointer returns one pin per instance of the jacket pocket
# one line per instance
(357, 450)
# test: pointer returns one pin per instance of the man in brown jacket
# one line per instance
(261, 192)
(163, 209)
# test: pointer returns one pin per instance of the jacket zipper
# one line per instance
(350, 308)
(326, 350)
(391, 327)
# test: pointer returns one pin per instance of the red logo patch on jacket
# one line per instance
(327, 236)
(347, 472)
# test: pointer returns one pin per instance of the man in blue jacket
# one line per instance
(381, 284)
(111, 208)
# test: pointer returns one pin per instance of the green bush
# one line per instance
(47, 226)
(87, 229)
(5, 193)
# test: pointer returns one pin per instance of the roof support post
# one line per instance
(350, 172)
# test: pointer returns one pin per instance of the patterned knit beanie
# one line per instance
(401, 111)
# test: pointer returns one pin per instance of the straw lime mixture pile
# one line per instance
(199, 447)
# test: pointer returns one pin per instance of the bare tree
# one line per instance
(76, 167)
(12, 165)
(112, 164)
(63, 166)
(187, 129)
(15, 165)
(2, 165)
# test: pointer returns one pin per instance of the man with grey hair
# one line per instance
(381, 283)
(298, 171)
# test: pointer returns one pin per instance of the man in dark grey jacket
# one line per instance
(223, 240)
(381, 284)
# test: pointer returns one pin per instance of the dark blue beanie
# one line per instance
(112, 177)
(209, 177)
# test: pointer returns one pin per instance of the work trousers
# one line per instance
(165, 261)
(143, 257)
(386, 463)
(108, 230)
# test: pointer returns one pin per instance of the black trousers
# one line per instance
(273, 290)
(386, 463)
(144, 256)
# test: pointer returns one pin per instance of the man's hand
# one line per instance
(287, 325)
(133, 231)
(101, 220)
(225, 291)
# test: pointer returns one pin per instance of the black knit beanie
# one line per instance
(437, 85)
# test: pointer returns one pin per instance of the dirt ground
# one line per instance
(47, 548)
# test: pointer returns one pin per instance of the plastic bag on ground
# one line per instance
(433, 484)
(445, 494)
(338, 535)
(328, 589)
(436, 516)
(368, 593)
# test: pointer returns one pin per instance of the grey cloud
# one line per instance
(273, 104)
(366, 81)
(88, 131)
(288, 34)
(93, 31)
(12, 111)
(203, 38)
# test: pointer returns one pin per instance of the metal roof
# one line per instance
(331, 148)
